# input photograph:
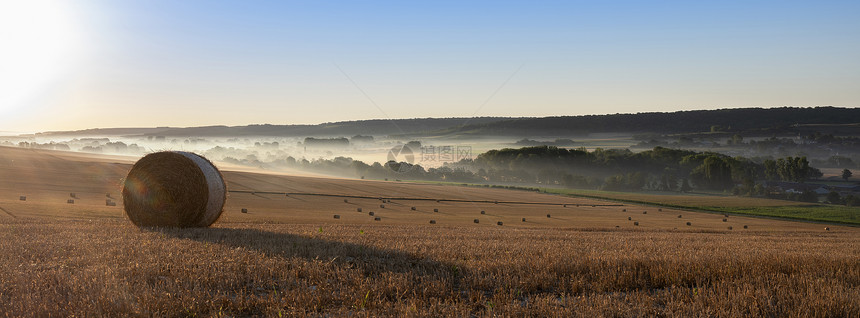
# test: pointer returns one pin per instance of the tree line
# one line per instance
(661, 168)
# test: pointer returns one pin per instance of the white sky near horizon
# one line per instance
(97, 63)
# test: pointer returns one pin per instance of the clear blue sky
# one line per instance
(188, 63)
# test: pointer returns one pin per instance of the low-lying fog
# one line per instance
(269, 152)
(329, 155)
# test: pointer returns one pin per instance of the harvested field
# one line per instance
(289, 256)
(47, 178)
(109, 267)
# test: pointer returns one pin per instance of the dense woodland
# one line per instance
(823, 150)
(659, 169)
(764, 121)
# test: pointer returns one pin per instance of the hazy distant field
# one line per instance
(714, 203)
(733, 205)
(288, 255)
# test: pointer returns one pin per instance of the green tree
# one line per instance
(759, 189)
(851, 200)
(635, 181)
(794, 169)
(783, 168)
(717, 172)
(770, 170)
(834, 198)
(685, 186)
(802, 169)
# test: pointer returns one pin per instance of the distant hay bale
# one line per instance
(679, 216)
(827, 228)
(730, 228)
(629, 218)
(358, 209)
(477, 221)
(70, 201)
(623, 210)
(644, 212)
(636, 223)
(337, 216)
(435, 210)
(413, 208)
(174, 189)
(370, 213)
(432, 221)
(23, 198)
(377, 219)
(345, 201)
(688, 223)
(483, 212)
(659, 210)
(725, 220)
(382, 206)
(565, 205)
(548, 216)
(499, 223)
(745, 226)
(524, 219)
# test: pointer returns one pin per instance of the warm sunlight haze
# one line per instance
(39, 42)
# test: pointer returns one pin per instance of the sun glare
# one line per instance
(38, 39)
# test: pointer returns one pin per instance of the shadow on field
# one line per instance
(371, 260)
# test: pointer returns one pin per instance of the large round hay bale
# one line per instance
(174, 189)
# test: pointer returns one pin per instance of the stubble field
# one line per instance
(290, 256)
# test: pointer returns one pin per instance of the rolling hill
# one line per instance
(784, 120)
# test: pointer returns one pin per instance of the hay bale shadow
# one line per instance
(374, 262)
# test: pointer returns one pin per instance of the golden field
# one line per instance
(289, 256)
